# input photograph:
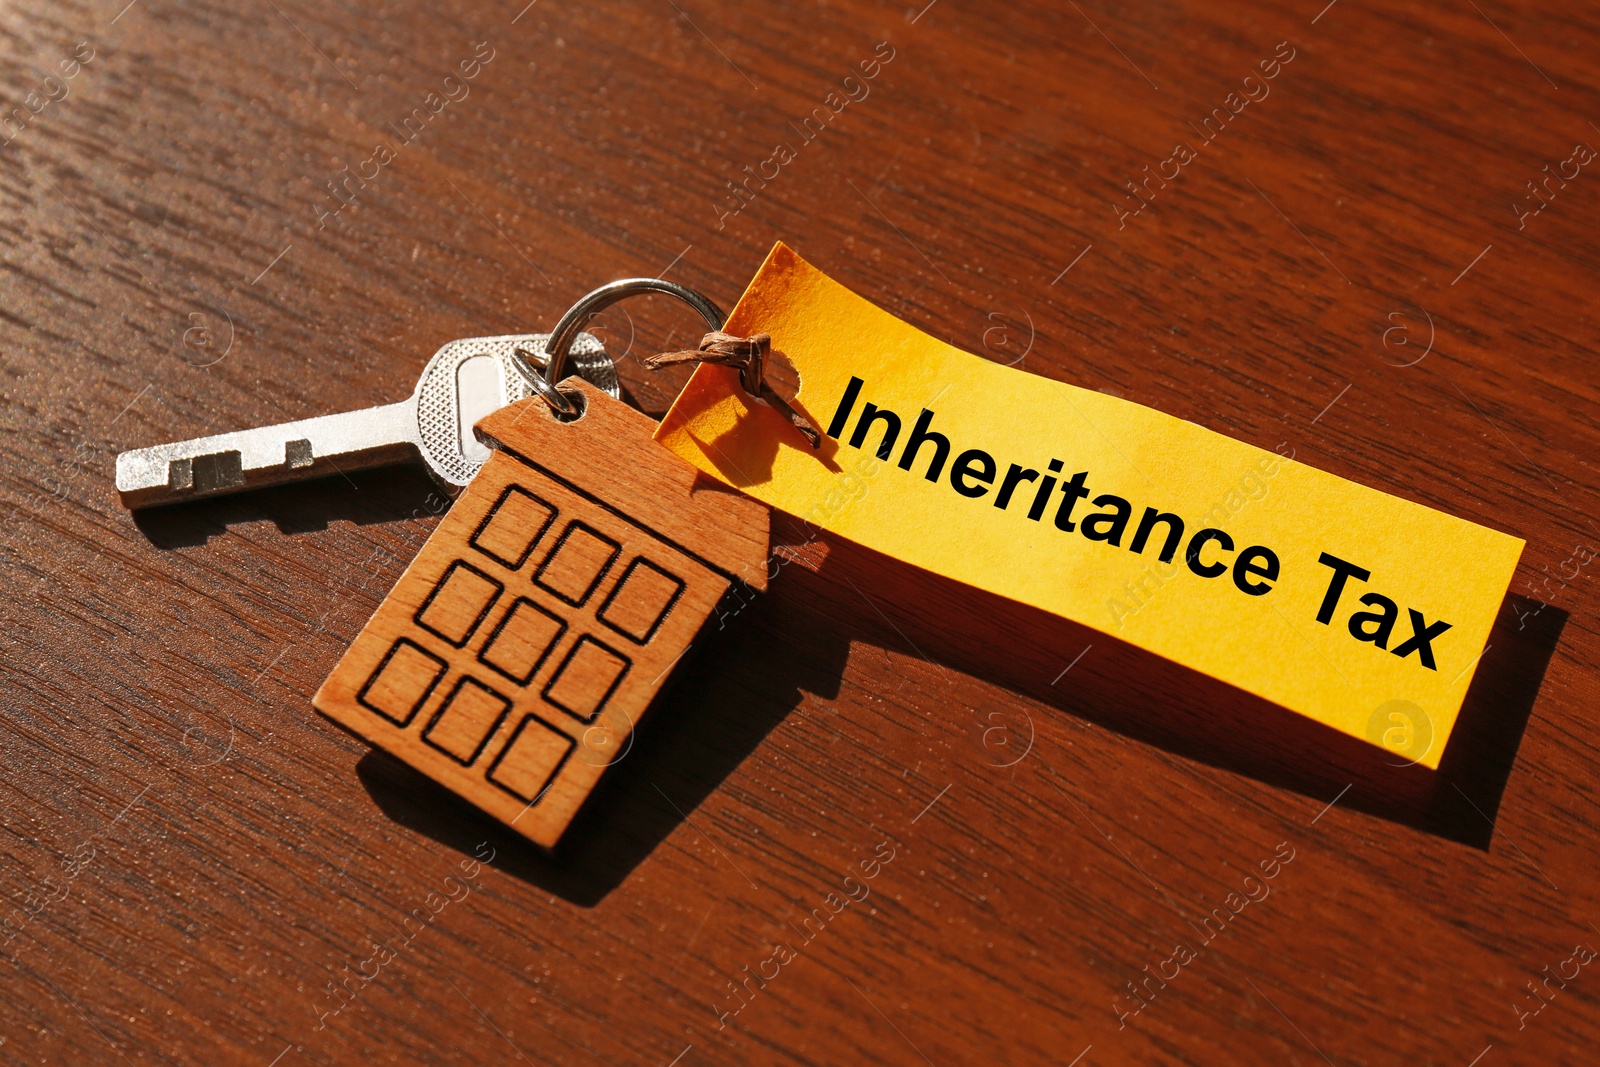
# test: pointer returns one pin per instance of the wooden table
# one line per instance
(1351, 267)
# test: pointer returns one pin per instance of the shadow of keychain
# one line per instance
(513, 659)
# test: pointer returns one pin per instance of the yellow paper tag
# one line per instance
(1361, 610)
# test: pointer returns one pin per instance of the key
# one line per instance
(463, 382)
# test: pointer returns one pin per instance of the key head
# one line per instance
(470, 378)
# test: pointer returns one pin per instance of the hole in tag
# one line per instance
(478, 393)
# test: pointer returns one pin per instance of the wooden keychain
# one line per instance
(516, 654)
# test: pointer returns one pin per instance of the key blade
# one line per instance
(250, 459)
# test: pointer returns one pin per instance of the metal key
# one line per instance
(463, 382)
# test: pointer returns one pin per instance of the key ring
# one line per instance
(566, 331)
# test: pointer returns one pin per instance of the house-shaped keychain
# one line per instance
(516, 654)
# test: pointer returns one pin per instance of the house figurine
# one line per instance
(516, 654)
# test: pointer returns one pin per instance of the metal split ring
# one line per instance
(577, 317)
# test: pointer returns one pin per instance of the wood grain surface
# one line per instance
(877, 818)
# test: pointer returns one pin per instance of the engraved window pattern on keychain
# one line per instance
(521, 642)
(514, 657)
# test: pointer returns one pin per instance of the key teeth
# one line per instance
(219, 470)
(298, 454)
(206, 474)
